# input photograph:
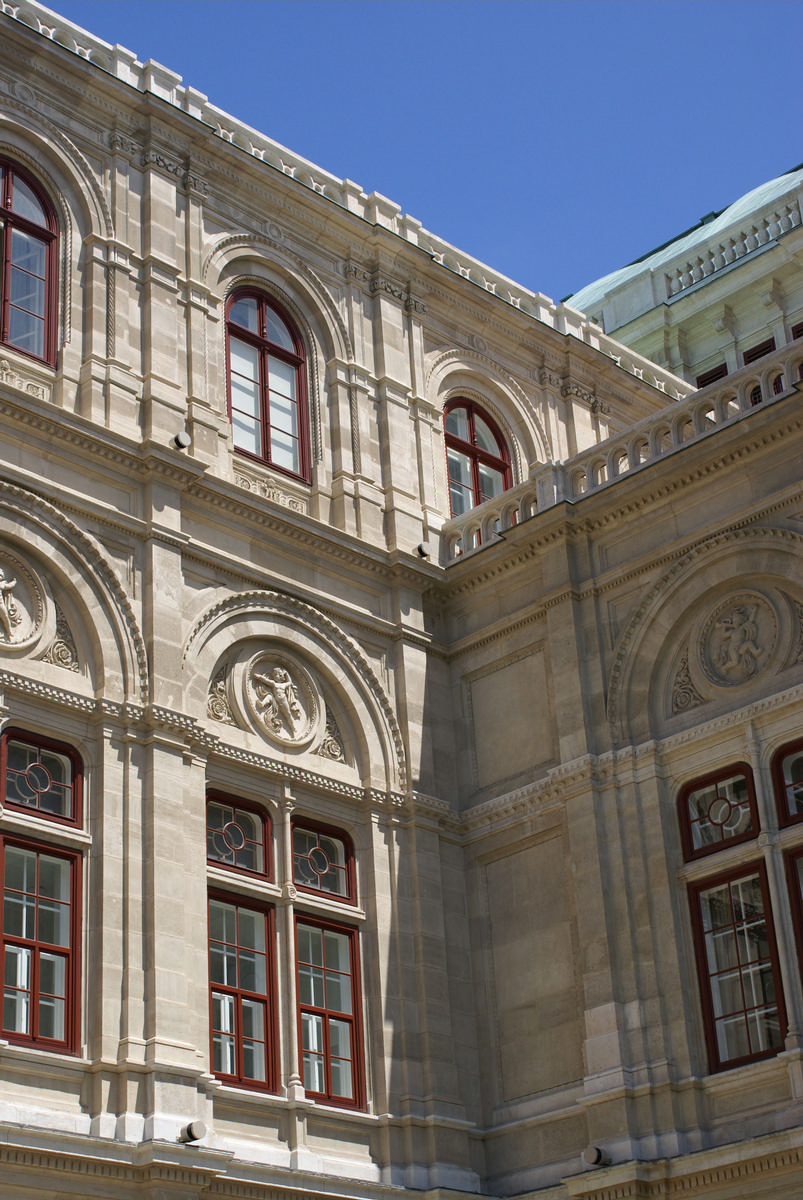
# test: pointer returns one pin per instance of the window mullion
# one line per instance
(264, 400)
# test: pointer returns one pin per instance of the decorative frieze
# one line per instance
(12, 377)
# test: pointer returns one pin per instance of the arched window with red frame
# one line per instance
(29, 254)
(323, 861)
(477, 458)
(237, 835)
(267, 383)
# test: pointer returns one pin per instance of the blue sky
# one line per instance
(555, 140)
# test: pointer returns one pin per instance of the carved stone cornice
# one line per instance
(381, 283)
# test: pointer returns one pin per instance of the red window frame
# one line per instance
(242, 996)
(233, 838)
(331, 1020)
(797, 331)
(47, 234)
(38, 774)
(474, 452)
(740, 973)
(687, 824)
(39, 949)
(268, 349)
(348, 873)
(712, 376)
(781, 787)
(759, 351)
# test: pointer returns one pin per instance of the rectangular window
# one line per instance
(241, 992)
(797, 331)
(756, 352)
(328, 1012)
(40, 905)
(712, 376)
(41, 776)
(738, 967)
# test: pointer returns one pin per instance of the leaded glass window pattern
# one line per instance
(477, 458)
(718, 809)
(40, 898)
(28, 251)
(267, 396)
(236, 836)
(40, 776)
(241, 988)
(328, 1011)
(322, 861)
(738, 966)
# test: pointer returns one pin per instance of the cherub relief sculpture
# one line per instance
(10, 614)
(278, 702)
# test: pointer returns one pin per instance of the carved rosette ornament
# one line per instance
(283, 700)
(738, 639)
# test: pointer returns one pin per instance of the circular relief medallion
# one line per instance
(738, 639)
(22, 605)
(283, 700)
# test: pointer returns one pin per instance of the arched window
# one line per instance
(29, 258)
(476, 454)
(267, 392)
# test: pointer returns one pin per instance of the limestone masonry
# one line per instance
(401, 761)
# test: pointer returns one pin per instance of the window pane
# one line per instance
(252, 929)
(312, 1045)
(27, 292)
(284, 452)
(253, 976)
(54, 878)
(223, 964)
(247, 434)
(484, 437)
(222, 921)
(277, 331)
(283, 415)
(310, 945)
(310, 985)
(336, 946)
(29, 255)
(244, 397)
(52, 992)
(244, 359)
(25, 203)
(338, 992)
(253, 1018)
(334, 850)
(281, 378)
(457, 423)
(340, 1050)
(245, 312)
(54, 923)
(16, 991)
(20, 869)
(26, 332)
(492, 482)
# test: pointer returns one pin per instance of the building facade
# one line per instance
(400, 684)
(717, 298)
